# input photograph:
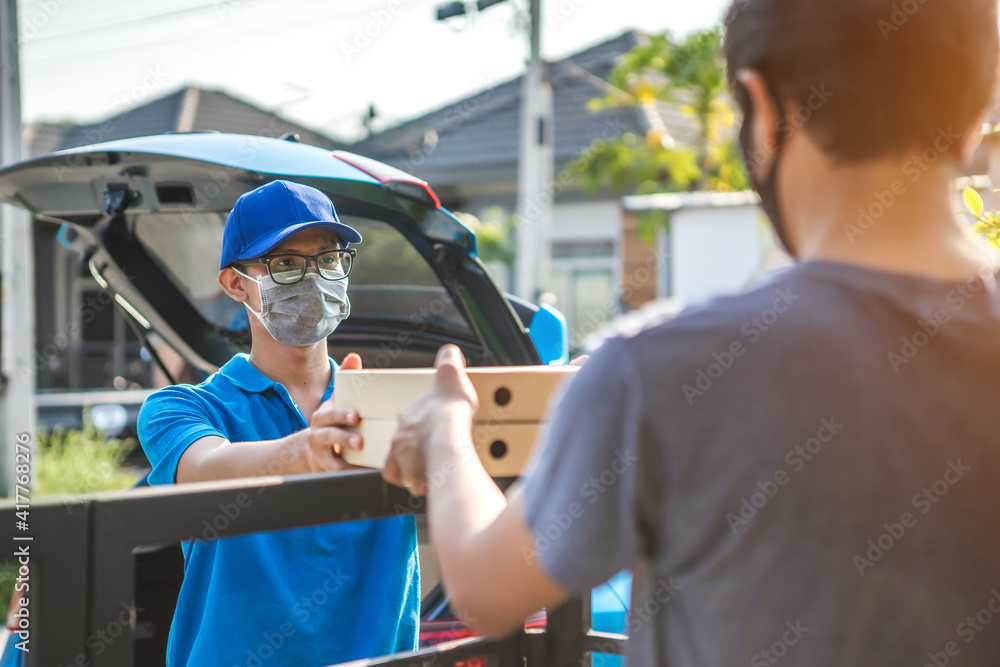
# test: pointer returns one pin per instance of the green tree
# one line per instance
(987, 222)
(689, 74)
(493, 235)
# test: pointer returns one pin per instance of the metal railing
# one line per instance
(81, 571)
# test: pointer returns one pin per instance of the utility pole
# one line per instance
(534, 169)
(534, 178)
(17, 312)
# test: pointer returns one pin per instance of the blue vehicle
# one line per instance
(146, 216)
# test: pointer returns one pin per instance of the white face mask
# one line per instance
(303, 313)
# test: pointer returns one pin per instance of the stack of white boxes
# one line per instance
(513, 403)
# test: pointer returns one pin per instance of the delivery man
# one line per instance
(307, 596)
(830, 495)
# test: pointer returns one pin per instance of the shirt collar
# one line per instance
(247, 377)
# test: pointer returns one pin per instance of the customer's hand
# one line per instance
(439, 417)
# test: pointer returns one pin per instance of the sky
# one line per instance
(318, 63)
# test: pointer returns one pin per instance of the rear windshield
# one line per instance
(390, 284)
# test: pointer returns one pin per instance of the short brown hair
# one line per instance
(897, 72)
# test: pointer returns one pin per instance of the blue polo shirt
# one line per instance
(307, 596)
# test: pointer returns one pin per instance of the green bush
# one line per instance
(77, 462)
(71, 462)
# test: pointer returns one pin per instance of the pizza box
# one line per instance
(504, 449)
(513, 402)
(506, 393)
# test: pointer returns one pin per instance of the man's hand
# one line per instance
(449, 405)
(319, 447)
(481, 542)
(316, 448)
(351, 362)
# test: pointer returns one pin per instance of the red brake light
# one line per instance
(393, 179)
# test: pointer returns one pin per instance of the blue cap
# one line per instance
(263, 218)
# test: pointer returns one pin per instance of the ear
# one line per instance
(974, 137)
(232, 284)
(766, 123)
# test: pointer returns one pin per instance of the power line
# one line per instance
(76, 56)
(89, 32)
(34, 26)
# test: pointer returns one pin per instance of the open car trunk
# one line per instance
(147, 215)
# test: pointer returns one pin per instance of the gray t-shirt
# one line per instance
(808, 474)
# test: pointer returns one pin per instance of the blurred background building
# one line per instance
(649, 200)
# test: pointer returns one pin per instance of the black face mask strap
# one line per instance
(767, 188)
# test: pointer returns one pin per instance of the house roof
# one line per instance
(189, 109)
(477, 138)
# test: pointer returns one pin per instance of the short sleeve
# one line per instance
(580, 487)
(170, 421)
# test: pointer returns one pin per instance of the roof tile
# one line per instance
(206, 110)
(483, 129)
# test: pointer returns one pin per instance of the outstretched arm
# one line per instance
(313, 449)
(486, 551)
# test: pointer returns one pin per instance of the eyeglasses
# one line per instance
(288, 268)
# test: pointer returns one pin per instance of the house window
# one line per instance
(665, 275)
(105, 354)
(582, 249)
(83, 341)
(582, 279)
